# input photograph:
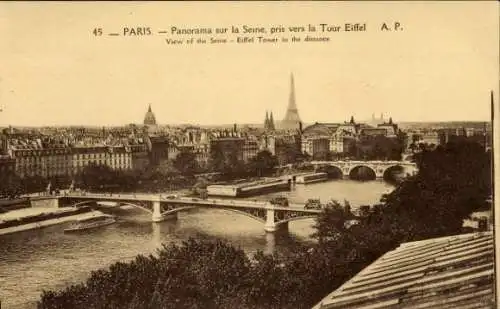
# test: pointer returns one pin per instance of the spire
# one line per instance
(149, 108)
(271, 121)
(291, 101)
(352, 120)
(292, 119)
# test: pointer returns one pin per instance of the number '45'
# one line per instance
(97, 31)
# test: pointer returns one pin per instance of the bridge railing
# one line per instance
(364, 162)
(183, 199)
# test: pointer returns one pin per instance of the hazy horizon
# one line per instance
(256, 125)
(441, 68)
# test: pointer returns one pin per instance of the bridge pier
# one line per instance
(270, 225)
(45, 202)
(158, 216)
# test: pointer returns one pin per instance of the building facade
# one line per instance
(46, 157)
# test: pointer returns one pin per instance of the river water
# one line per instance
(49, 259)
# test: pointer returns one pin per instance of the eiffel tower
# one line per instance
(292, 119)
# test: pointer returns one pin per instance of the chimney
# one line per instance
(234, 127)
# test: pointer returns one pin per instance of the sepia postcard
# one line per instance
(249, 155)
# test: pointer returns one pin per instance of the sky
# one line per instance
(55, 71)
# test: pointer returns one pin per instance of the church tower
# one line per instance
(271, 122)
(292, 119)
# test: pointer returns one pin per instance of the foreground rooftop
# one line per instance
(455, 272)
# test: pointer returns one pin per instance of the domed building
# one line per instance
(150, 119)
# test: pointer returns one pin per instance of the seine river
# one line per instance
(49, 259)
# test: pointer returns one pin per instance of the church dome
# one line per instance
(150, 118)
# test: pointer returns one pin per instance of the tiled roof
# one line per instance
(455, 272)
(321, 128)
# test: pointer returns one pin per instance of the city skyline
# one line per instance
(60, 74)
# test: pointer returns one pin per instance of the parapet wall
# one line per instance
(45, 202)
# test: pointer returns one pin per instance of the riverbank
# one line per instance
(34, 218)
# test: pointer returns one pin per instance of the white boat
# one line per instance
(311, 178)
(91, 223)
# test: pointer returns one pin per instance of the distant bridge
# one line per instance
(163, 207)
(379, 168)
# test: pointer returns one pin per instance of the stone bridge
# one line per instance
(379, 168)
(164, 207)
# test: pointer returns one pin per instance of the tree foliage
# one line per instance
(10, 184)
(185, 163)
(226, 161)
(263, 163)
(379, 148)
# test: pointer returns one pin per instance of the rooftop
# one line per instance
(455, 272)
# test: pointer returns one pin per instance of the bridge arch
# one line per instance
(333, 171)
(241, 212)
(278, 223)
(119, 203)
(176, 210)
(354, 172)
(394, 172)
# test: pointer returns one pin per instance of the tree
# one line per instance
(185, 163)
(10, 184)
(34, 183)
(60, 181)
(266, 281)
(97, 177)
(234, 166)
(379, 147)
(200, 187)
(263, 163)
(330, 223)
(289, 153)
(226, 161)
(165, 169)
(322, 155)
(453, 181)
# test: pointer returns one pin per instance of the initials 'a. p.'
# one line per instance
(136, 31)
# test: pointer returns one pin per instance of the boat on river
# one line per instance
(93, 222)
